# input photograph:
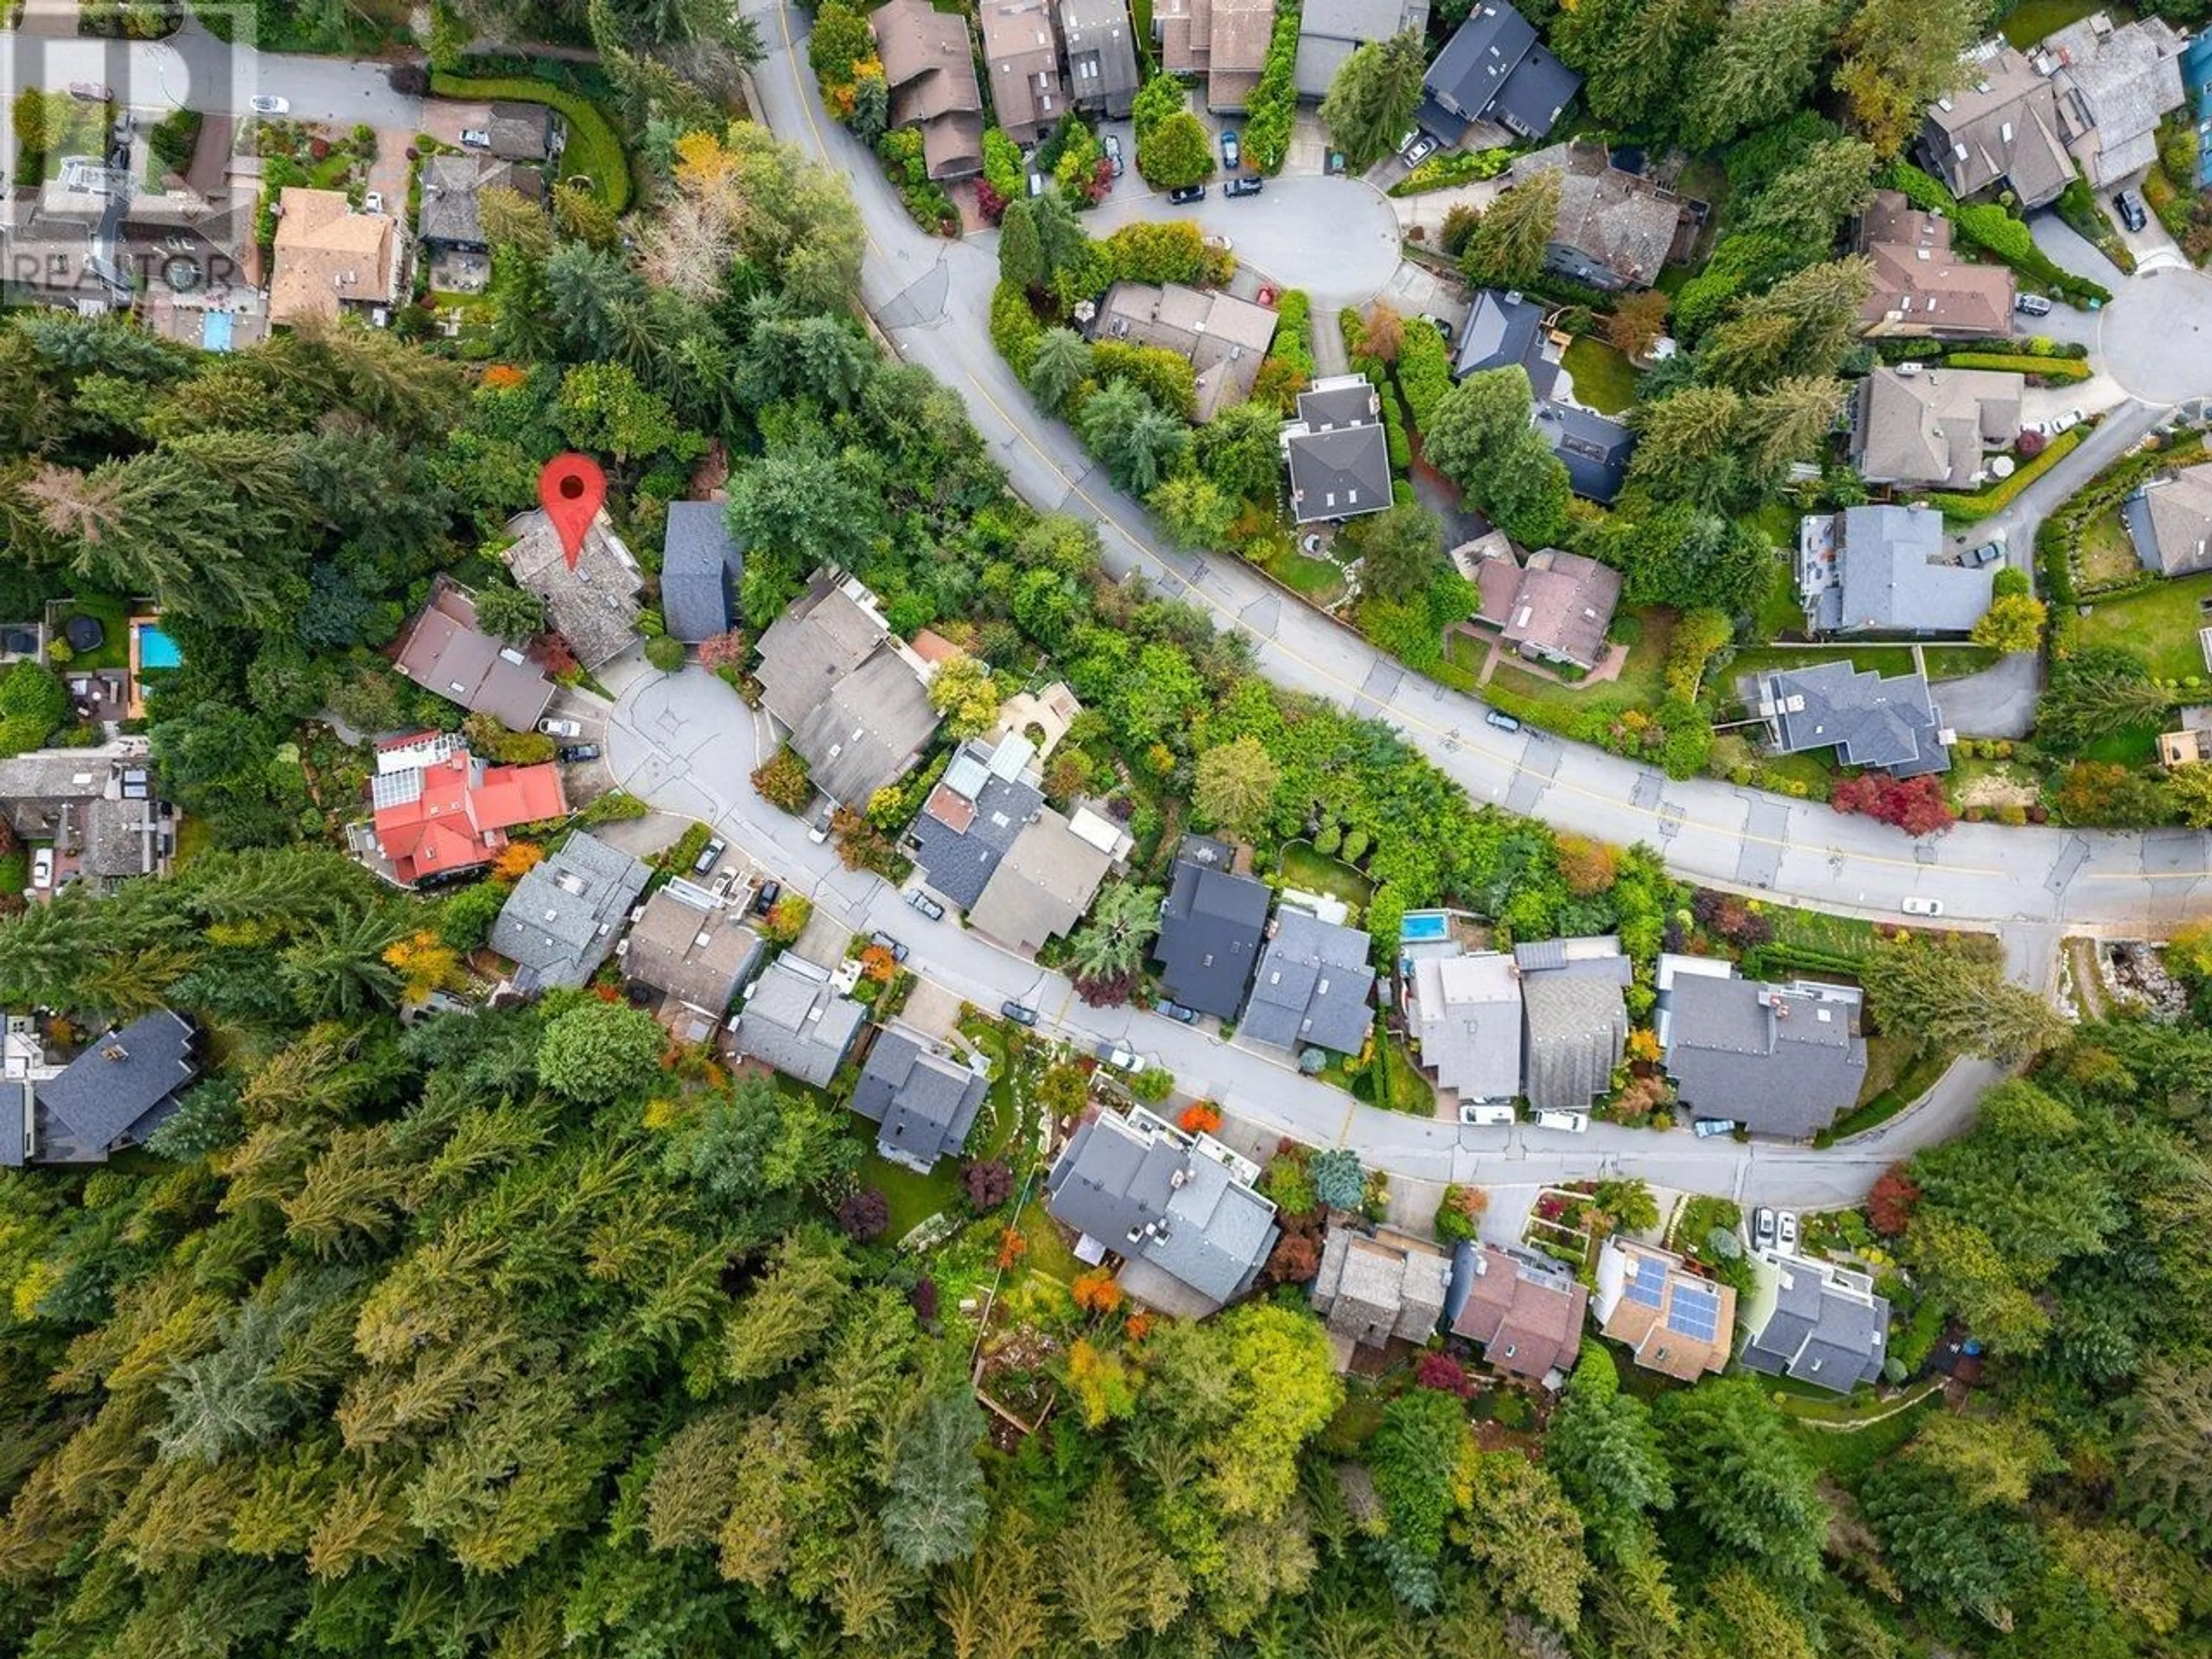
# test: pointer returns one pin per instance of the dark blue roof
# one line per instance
(122, 1086)
(1210, 931)
(1595, 449)
(701, 566)
(1504, 329)
(1494, 68)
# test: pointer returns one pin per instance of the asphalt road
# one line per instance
(687, 744)
(932, 298)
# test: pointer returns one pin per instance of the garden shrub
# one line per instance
(1423, 371)
(1969, 509)
(1015, 330)
(1273, 104)
(2050, 368)
(1453, 166)
(1170, 251)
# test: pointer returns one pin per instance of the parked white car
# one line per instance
(1786, 1231)
(476, 137)
(269, 104)
(1916, 905)
(42, 869)
(560, 728)
(372, 203)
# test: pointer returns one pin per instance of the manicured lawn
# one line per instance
(912, 1198)
(1466, 651)
(1882, 659)
(1316, 580)
(1640, 684)
(1316, 872)
(1954, 662)
(1604, 378)
(2159, 622)
(113, 615)
(2136, 746)
(2033, 20)
(1895, 1078)
(1048, 1252)
(2107, 556)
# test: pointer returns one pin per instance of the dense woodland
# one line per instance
(519, 1333)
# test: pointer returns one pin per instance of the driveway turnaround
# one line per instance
(2155, 338)
(1336, 238)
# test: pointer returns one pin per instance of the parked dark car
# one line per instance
(709, 856)
(1243, 184)
(1020, 1012)
(1988, 553)
(1176, 1011)
(928, 906)
(885, 942)
(573, 752)
(764, 901)
(2133, 214)
(1187, 194)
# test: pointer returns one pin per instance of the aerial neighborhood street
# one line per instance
(1106, 826)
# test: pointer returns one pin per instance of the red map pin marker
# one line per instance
(572, 489)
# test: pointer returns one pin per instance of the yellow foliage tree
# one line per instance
(425, 963)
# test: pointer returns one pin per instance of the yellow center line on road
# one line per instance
(1321, 672)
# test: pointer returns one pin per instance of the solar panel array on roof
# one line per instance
(1695, 1312)
(1649, 1288)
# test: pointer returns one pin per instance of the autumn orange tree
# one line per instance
(517, 860)
(1200, 1117)
(1096, 1292)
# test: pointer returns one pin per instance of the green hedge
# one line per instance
(594, 149)
(1984, 503)
(1424, 369)
(2052, 368)
(1453, 166)
(1991, 228)
(1273, 105)
(1293, 329)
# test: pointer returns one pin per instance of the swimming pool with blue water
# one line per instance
(156, 649)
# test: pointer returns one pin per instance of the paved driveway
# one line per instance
(2155, 338)
(1998, 702)
(1335, 238)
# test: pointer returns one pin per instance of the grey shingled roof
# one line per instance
(1614, 228)
(449, 214)
(1193, 1217)
(1575, 1020)
(701, 567)
(958, 840)
(559, 924)
(794, 1020)
(1338, 451)
(1102, 54)
(1503, 329)
(1780, 1059)
(2169, 520)
(925, 1103)
(1494, 68)
(1999, 122)
(1210, 929)
(1825, 1326)
(35, 788)
(857, 709)
(1595, 449)
(118, 1091)
(443, 651)
(1467, 1020)
(691, 944)
(1933, 428)
(521, 132)
(2112, 90)
(1892, 723)
(1312, 987)
(1891, 581)
(1042, 887)
(1372, 1289)
(1329, 31)
(593, 605)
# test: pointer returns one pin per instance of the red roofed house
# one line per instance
(439, 811)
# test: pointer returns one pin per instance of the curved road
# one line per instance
(688, 743)
(933, 298)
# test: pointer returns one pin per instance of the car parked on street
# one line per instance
(1187, 194)
(1176, 1011)
(1112, 144)
(1915, 905)
(560, 728)
(2031, 305)
(268, 103)
(884, 941)
(1245, 184)
(1121, 1059)
(1706, 1127)
(1502, 720)
(819, 831)
(1020, 1012)
(1232, 153)
(1762, 1228)
(575, 753)
(764, 901)
(709, 856)
(928, 906)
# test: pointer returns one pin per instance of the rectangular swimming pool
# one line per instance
(1420, 925)
(156, 649)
